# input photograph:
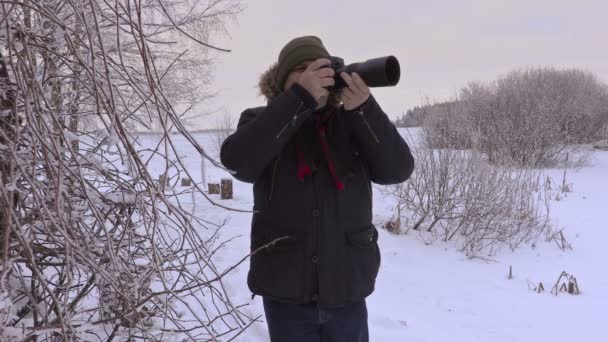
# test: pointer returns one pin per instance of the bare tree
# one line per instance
(94, 245)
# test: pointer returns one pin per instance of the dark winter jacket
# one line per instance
(329, 252)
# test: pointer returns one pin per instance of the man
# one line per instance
(311, 155)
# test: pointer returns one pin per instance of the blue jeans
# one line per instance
(309, 323)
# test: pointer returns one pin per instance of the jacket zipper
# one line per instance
(369, 127)
(316, 232)
(368, 186)
(291, 122)
(272, 179)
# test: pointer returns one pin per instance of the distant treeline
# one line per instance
(526, 117)
(415, 117)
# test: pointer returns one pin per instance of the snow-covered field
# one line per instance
(430, 292)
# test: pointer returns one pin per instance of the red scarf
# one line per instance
(303, 168)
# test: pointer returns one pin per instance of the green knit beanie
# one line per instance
(298, 50)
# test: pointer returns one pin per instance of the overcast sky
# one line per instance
(441, 44)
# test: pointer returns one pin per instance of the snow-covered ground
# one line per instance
(430, 292)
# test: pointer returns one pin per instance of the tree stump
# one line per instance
(186, 182)
(226, 188)
(214, 188)
(164, 181)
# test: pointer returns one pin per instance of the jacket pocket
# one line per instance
(364, 239)
(273, 242)
(364, 261)
(276, 270)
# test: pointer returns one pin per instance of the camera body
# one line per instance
(376, 72)
(337, 64)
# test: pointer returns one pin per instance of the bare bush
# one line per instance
(94, 245)
(566, 283)
(527, 118)
(456, 195)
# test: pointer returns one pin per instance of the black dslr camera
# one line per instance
(376, 72)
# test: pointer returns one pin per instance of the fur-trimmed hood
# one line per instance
(268, 84)
(270, 89)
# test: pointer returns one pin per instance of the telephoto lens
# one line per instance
(376, 72)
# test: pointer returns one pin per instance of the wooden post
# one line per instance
(226, 188)
(214, 188)
(164, 181)
(186, 182)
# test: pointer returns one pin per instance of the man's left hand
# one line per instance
(356, 92)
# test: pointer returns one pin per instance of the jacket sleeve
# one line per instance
(386, 152)
(262, 134)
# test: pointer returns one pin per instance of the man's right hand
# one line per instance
(315, 78)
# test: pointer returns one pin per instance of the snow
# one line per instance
(427, 291)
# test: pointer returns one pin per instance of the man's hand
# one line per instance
(356, 93)
(315, 78)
